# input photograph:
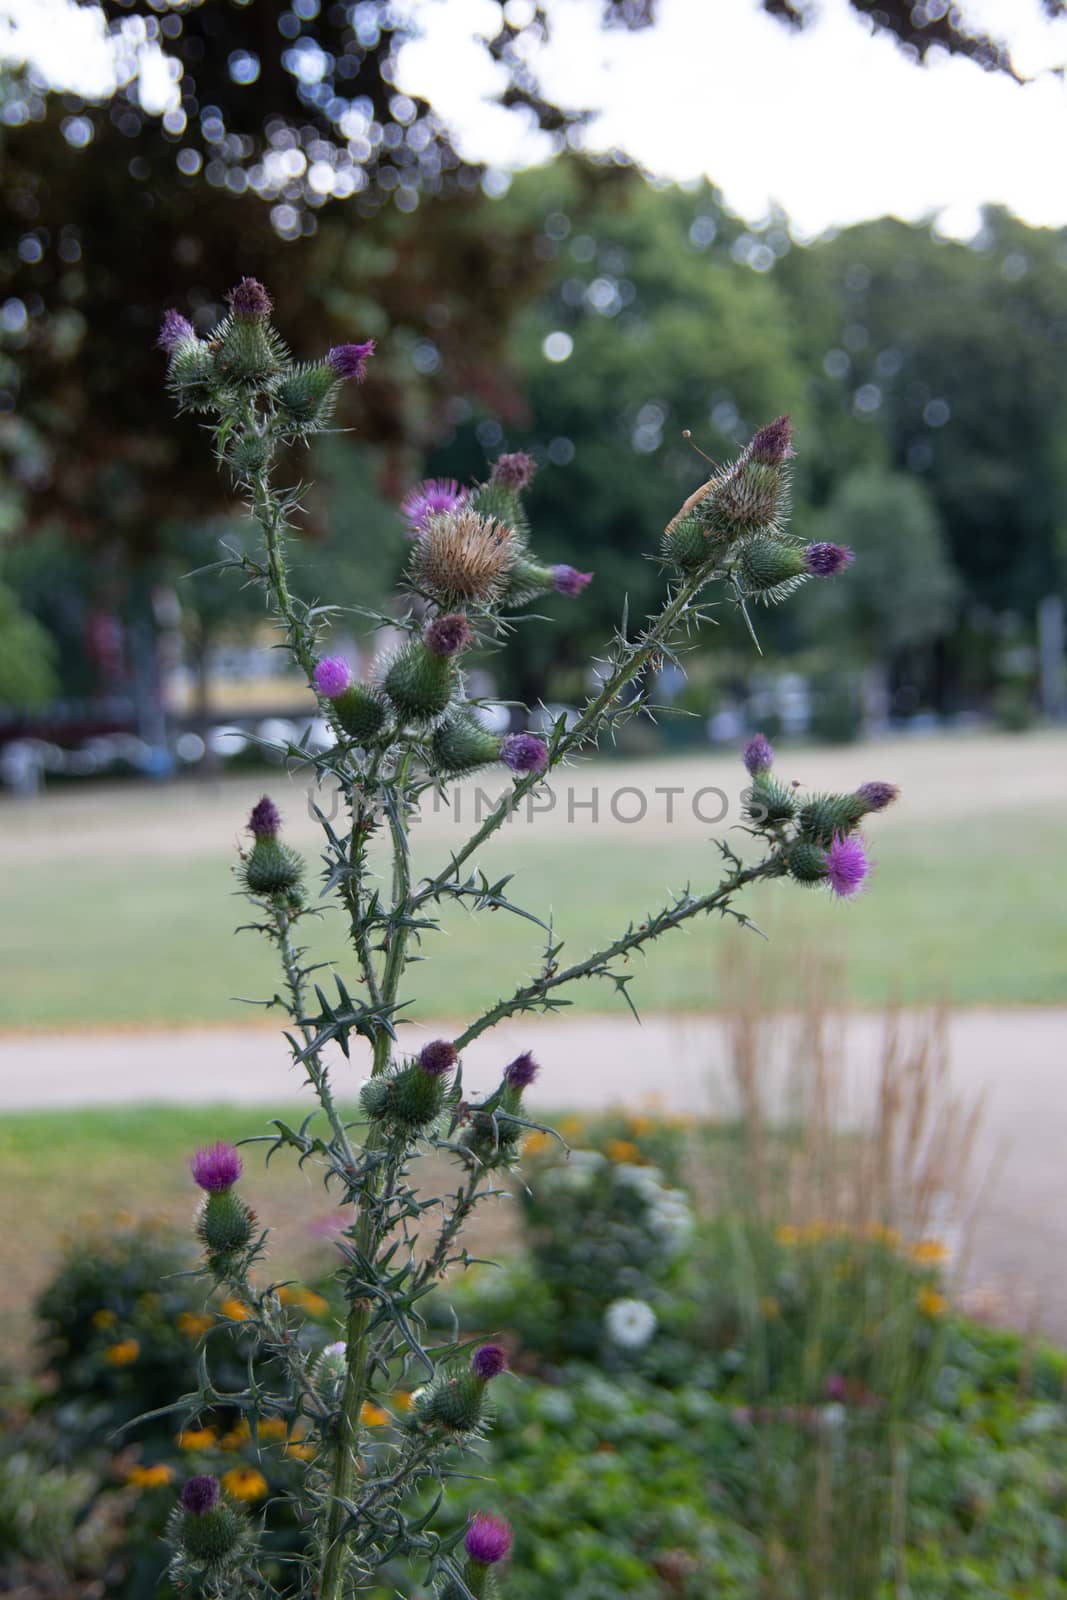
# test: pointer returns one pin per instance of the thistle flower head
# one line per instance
(216, 1168)
(174, 330)
(265, 820)
(569, 581)
(350, 360)
(448, 635)
(522, 1071)
(824, 560)
(488, 1539)
(758, 754)
(249, 301)
(515, 471)
(524, 752)
(847, 866)
(428, 499)
(488, 1361)
(876, 795)
(200, 1494)
(772, 444)
(333, 676)
(461, 556)
(438, 1057)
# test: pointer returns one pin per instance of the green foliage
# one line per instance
(27, 657)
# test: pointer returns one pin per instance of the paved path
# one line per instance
(1015, 1060)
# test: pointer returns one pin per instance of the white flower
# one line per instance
(630, 1323)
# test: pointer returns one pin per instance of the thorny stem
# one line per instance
(316, 1069)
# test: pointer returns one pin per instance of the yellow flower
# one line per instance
(194, 1323)
(149, 1301)
(237, 1436)
(235, 1309)
(931, 1304)
(149, 1477)
(640, 1125)
(572, 1127)
(300, 1452)
(272, 1428)
(787, 1234)
(196, 1438)
(402, 1400)
(104, 1318)
(123, 1353)
(373, 1416)
(769, 1307)
(622, 1150)
(316, 1305)
(929, 1253)
(245, 1483)
(535, 1144)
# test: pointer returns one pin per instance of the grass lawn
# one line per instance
(966, 908)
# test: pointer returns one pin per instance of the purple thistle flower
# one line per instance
(824, 560)
(430, 499)
(758, 754)
(250, 301)
(488, 1361)
(437, 1057)
(569, 581)
(876, 795)
(847, 865)
(350, 360)
(516, 471)
(200, 1494)
(448, 635)
(216, 1168)
(524, 752)
(522, 1071)
(333, 676)
(488, 1539)
(265, 820)
(173, 331)
(773, 444)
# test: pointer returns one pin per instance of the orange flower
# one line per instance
(929, 1253)
(124, 1353)
(373, 1416)
(572, 1128)
(194, 1323)
(787, 1234)
(640, 1125)
(245, 1483)
(148, 1477)
(104, 1318)
(300, 1452)
(316, 1305)
(235, 1309)
(622, 1150)
(931, 1304)
(402, 1400)
(196, 1438)
(237, 1436)
(272, 1428)
(535, 1144)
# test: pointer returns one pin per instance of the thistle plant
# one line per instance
(406, 731)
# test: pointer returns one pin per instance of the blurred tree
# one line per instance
(27, 657)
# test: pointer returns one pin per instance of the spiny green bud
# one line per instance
(361, 712)
(307, 393)
(826, 815)
(500, 503)
(192, 376)
(749, 495)
(766, 563)
(272, 868)
(410, 1098)
(457, 1403)
(460, 744)
(768, 802)
(248, 352)
(225, 1223)
(688, 544)
(212, 1536)
(419, 683)
(807, 862)
(249, 453)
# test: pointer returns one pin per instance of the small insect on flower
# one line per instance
(630, 1323)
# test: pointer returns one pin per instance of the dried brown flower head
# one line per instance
(460, 555)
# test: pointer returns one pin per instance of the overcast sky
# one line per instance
(832, 124)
